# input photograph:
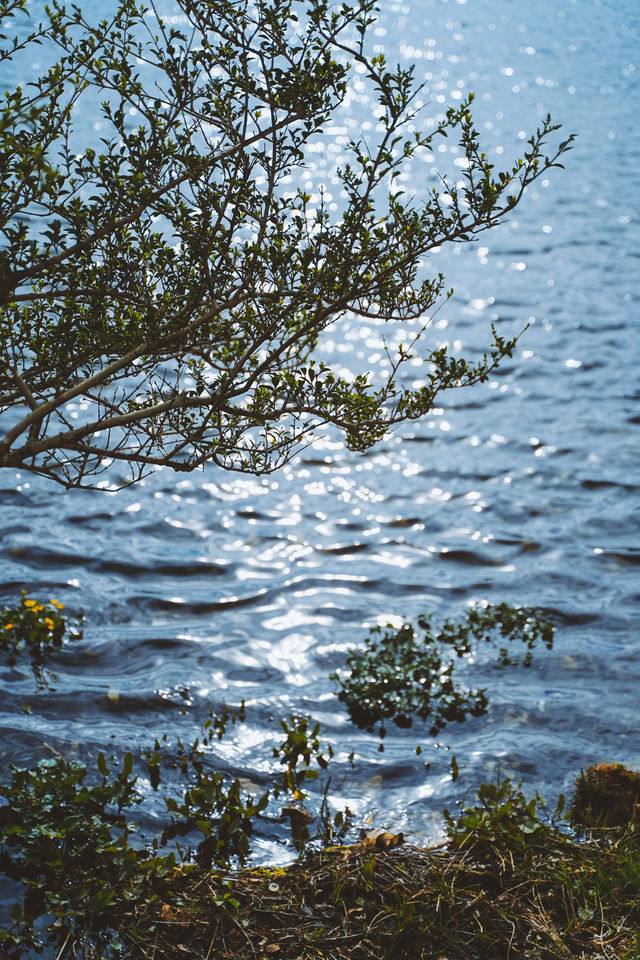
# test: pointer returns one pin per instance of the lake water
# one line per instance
(216, 587)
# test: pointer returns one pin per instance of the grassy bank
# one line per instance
(511, 882)
(557, 899)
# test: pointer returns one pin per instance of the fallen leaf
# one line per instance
(167, 912)
(382, 839)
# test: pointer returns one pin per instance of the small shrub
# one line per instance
(503, 821)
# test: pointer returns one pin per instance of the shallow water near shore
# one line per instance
(217, 587)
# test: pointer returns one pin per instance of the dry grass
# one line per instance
(369, 901)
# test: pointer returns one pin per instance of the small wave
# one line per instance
(469, 558)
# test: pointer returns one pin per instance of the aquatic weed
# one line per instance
(406, 673)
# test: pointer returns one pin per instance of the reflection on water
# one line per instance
(220, 587)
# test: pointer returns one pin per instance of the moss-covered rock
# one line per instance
(606, 795)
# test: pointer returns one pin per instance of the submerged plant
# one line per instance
(400, 675)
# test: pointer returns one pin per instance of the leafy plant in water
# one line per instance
(209, 805)
(68, 844)
(298, 752)
(33, 629)
(219, 812)
(300, 747)
(400, 676)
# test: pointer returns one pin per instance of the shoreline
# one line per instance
(511, 882)
(552, 898)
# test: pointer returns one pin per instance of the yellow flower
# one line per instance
(30, 603)
(49, 623)
(59, 606)
(8, 626)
